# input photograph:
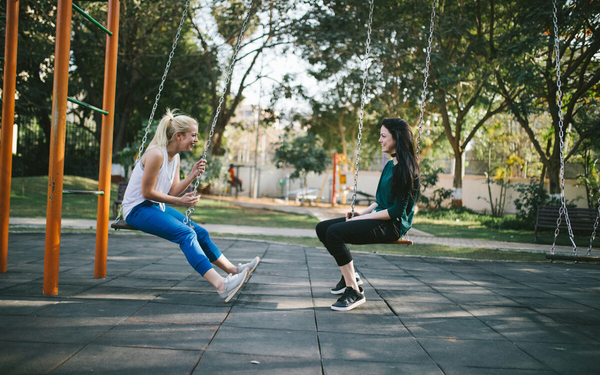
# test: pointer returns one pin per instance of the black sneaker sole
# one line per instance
(349, 307)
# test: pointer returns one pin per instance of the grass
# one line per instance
(413, 250)
(28, 198)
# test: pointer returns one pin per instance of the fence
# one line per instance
(31, 158)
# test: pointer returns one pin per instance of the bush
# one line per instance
(531, 196)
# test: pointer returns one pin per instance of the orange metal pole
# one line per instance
(110, 84)
(8, 116)
(62, 51)
(335, 157)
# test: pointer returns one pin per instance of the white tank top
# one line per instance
(166, 175)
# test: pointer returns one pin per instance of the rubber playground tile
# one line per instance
(565, 358)
(35, 290)
(302, 320)
(17, 358)
(273, 302)
(414, 296)
(242, 364)
(257, 278)
(267, 342)
(480, 299)
(134, 282)
(10, 306)
(210, 298)
(370, 318)
(159, 335)
(342, 367)
(182, 314)
(57, 329)
(450, 370)
(507, 313)
(281, 290)
(127, 360)
(92, 308)
(456, 328)
(498, 354)
(371, 348)
(426, 310)
(540, 332)
(108, 292)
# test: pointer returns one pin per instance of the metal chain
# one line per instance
(362, 104)
(190, 210)
(593, 237)
(160, 88)
(563, 207)
(426, 74)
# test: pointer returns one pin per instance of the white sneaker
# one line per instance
(251, 266)
(232, 285)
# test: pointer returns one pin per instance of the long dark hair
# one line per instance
(405, 180)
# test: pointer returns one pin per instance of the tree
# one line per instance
(526, 72)
(305, 154)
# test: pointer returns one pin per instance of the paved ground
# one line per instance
(154, 315)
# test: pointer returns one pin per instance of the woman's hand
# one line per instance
(188, 200)
(349, 215)
(198, 168)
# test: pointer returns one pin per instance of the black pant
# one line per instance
(336, 233)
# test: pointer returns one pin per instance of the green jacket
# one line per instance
(399, 209)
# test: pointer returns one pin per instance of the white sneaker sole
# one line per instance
(253, 268)
(233, 292)
(348, 308)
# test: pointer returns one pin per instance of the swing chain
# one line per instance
(160, 88)
(563, 208)
(362, 104)
(426, 74)
(190, 210)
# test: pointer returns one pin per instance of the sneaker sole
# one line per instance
(348, 308)
(340, 291)
(237, 289)
(252, 270)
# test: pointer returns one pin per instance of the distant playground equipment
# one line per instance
(338, 185)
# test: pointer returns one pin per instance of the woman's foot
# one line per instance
(349, 300)
(232, 284)
(341, 285)
(251, 266)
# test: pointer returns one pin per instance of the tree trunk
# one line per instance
(458, 179)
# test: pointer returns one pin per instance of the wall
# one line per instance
(473, 186)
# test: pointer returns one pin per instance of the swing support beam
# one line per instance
(57, 144)
(8, 116)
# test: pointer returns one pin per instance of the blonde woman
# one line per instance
(155, 183)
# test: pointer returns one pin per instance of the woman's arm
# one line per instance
(378, 215)
(179, 187)
(152, 162)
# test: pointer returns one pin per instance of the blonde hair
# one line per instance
(171, 123)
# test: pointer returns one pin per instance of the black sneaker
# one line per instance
(341, 285)
(349, 300)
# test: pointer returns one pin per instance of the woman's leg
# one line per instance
(323, 226)
(151, 219)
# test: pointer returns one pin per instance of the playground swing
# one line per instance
(120, 222)
(563, 207)
(405, 240)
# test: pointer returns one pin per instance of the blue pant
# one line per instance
(195, 242)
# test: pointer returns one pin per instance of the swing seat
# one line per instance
(122, 224)
(575, 258)
(401, 241)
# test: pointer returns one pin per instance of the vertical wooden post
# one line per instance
(57, 146)
(108, 104)
(8, 116)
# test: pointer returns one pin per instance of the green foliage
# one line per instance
(429, 179)
(304, 153)
(531, 196)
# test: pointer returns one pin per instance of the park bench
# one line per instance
(582, 219)
(119, 199)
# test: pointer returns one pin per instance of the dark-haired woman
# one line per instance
(386, 220)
